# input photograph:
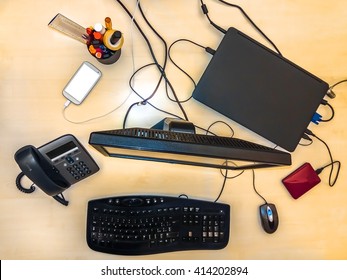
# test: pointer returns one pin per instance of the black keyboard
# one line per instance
(140, 225)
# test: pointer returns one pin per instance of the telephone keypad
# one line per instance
(78, 170)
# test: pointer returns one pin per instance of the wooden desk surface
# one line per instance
(37, 61)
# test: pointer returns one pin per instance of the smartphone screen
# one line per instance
(82, 83)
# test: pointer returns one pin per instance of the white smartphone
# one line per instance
(82, 82)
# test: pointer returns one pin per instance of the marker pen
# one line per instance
(97, 35)
(92, 50)
(89, 31)
(98, 53)
(108, 23)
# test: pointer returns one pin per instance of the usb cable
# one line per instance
(332, 161)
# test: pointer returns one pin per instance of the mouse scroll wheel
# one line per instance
(269, 214)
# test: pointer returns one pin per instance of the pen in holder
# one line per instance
(104, 42)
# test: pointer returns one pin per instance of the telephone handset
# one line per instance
(55, 166)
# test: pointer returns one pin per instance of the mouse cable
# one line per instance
(207, 49)
(332, 161)
(205, 11)
(254, 187)
(160, 68)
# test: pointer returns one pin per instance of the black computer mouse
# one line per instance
(269, 217)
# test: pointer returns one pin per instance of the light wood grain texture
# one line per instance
(37, 61)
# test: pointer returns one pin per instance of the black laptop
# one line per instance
(261, 90)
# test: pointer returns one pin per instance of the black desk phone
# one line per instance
(55, 166)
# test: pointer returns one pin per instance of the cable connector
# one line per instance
(330, 93)
(204, 9)
(319, 170)
(144, 102)
(306, 137)
(67, 103)
(324, 102)
(317, 118)
(210, 50)
(309, 132)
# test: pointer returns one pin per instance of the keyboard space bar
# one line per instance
(131, 246)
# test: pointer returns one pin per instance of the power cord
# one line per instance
(156, 63)
(330, 91)
(207, 49)
(205, 11)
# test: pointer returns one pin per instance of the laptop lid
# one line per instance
(261, 90)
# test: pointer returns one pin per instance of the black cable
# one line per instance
(255, 189)
(128, 112)
(20, 187)
(144, 100)
(246, 16)
(332, 113)
(340, 82)
(332, 161)
(330, 91)
(207, 49)
(160, 68)
(336, 162)
(223, 185)
(61, 199)
(306, 144)
(165, 62)
(58, 198)
(227, 177)
(142, 33)
(205, 11)
(214, 123)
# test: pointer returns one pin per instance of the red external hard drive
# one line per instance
(301, 180)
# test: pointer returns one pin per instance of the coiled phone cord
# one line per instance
(19, 184)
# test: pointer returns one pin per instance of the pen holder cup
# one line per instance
(112, 59)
